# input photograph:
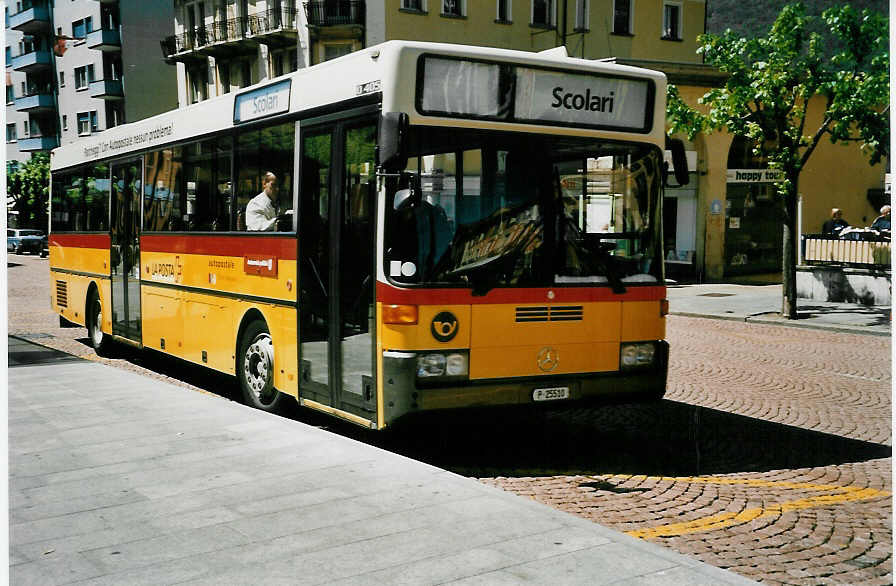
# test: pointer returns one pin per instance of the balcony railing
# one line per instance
(33, 61)
(106, 89)
(861, 249)
(40, 101)
(31, 19)
(104, 39)
(255, 27)
(38, 143)
(335, 12)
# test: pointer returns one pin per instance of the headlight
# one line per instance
(446, 365)
(640, 354)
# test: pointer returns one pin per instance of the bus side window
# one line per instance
(258, 152)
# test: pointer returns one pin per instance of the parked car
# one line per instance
(21, 241)
(44, 247)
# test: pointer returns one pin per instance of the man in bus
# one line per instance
(261, 215)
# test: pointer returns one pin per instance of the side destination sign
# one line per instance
(263, 102)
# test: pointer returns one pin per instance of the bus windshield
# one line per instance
(486, 210)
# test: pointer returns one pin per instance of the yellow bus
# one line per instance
(410, 227)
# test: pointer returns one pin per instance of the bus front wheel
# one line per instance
(255, 368)
(100, 341)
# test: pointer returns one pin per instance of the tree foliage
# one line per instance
(771, 79)
(770, 82)
(29, 186)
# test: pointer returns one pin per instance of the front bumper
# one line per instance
(402, 396)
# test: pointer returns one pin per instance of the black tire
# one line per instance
(101, 342)
(255, 368)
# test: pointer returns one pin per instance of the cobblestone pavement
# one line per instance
(771, 455)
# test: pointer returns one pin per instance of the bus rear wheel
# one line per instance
(100, 341)
(255, 368)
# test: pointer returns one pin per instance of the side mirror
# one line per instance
(679, 162)
(392, 152)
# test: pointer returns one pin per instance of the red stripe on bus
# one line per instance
(80, 240)
(283, 248)
(397, 296)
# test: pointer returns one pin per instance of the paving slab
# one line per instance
(183, 487)
(762, 304)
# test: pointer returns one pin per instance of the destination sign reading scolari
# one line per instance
(265, 101)
(492, 91)
(590, 100)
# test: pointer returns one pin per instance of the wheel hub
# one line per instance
(258, 367)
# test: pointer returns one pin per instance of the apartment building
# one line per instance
(77, 67)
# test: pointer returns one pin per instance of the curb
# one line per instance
(756, 318)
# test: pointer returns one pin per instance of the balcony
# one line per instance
(35, 103)
(34, 19)
(38, 143)
(327, 13)
(236, 36)
(33, 61)
(107, 89)
(104, 39)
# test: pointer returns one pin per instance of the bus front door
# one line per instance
(126, 191)
(336, 265)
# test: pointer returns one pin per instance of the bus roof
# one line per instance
(392, 70)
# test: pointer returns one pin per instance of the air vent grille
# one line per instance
(62, 293)
(549, 313)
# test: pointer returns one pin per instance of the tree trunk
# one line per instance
(788, 270)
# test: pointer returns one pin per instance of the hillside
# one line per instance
(755, 19)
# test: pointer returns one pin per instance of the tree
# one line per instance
(770, 82)
(29, 186)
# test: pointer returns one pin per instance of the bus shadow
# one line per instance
(666, 438)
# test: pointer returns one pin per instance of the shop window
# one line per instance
(671, 21)
(268, 150)
(622, 17)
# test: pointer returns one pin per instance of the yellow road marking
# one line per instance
(844, 494)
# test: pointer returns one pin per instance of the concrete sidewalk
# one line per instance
(762, 304)
(116, 478)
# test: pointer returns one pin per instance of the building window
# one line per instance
(11, 132)
(198, 82)
(94, 122)
(622, 17)
(581, 15)
(245, 74)
(336, 50)
(61, 79)
(671, 21)
(415, 5)
(81, 27)
(224, 77)
(453, 8)
(114, 114)
(83, 122)
(26, 129)
(83, 76)
(504, 11)
(543, 13)
(10, 95)
(64, 122)
(8, 56)
(58, 31)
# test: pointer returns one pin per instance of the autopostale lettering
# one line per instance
(588, 101)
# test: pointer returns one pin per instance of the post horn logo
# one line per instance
(548, 359)
(444, 326)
